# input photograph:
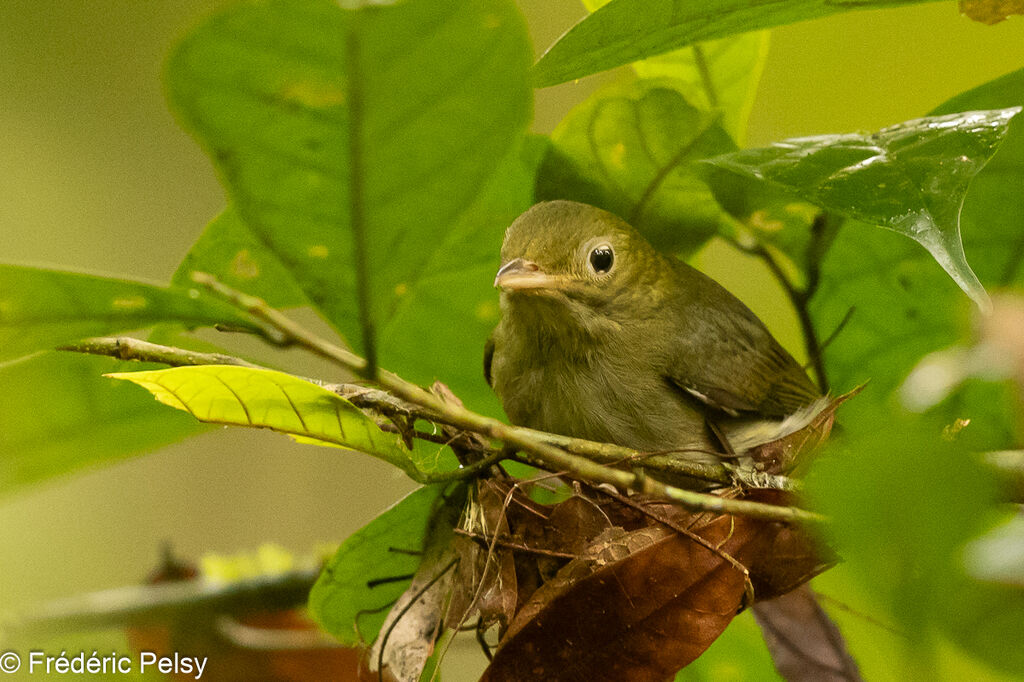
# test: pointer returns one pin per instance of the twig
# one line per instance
(386, 404)
(705, 76)
(542, 453)
(800, 298)
(127, 348)
(514, 546)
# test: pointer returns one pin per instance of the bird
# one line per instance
(602, 337)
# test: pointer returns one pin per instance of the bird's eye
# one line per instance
(601, 259)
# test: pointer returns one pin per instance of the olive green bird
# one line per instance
(602, 337)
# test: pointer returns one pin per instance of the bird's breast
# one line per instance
(604, 392)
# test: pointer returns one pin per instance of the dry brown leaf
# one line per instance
(787, 453)
(637, 606)
(408, 634)
(642, 601)
(990, 11)
(780, 557)
(805, 644)
(485, 581)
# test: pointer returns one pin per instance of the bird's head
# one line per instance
(564, 254)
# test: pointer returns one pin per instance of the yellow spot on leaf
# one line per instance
(244, 266)
(492, 21)
(401, 289)
(130, 303)
(617, 155)
(318, 251)
(761, 221)
(807, 212)
(314, 94)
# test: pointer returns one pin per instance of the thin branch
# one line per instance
(388, 406)
(514, 546)
(705, 76)
(542, 454)
(800, 299)
(127, 348)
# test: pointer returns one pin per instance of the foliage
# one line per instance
(373, 153)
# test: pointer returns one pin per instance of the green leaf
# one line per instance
(439, 324)
(372, 569)
(41, 309)
(355, 137)
(441, 318)
(717, 75)
(632, 150)
(898, 307)
(903, 500)
(59, 415)
(263, 398)
(910, 178)
(231, 251)
(624, 31)
(769, 215)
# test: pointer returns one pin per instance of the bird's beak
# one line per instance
(519, 274)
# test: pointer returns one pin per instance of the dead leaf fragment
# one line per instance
(990, 11)
(805, 644)
(637, 606)
(787, 453)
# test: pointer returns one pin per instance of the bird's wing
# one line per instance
(732, 363)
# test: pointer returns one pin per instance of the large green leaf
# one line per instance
(624, 31)
(439, 321)
(263, 398)
(439, 324)
(352, 136)
(903, 500)
(59, 415)
(230, 250)
(911, 178)
(632, 150)
(717, 75)
(372, 568)
(903, 307)
(41, 308)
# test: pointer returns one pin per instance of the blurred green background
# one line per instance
(95, 174)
